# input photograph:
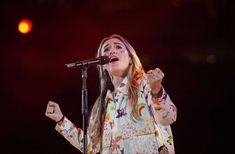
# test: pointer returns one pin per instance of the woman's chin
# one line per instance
(115, 71)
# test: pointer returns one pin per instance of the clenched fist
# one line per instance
(155, 78)
(53, 111)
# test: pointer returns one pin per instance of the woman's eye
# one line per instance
(106, 49)
(118, 47)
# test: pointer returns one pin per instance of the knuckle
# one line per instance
(157, 69)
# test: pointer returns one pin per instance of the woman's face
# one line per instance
(118, 55)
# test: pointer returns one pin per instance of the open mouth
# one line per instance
(113, 59)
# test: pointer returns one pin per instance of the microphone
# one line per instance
(94, 61)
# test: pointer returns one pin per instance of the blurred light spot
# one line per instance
(211, 59)
(24, 26)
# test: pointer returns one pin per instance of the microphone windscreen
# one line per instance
(104, 60)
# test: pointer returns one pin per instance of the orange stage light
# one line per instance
(24, 26)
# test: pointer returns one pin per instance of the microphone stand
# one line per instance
(84, 106)
(84, 65)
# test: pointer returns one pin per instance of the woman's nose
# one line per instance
(112, 51)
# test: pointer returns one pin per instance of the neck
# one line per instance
(117, 81)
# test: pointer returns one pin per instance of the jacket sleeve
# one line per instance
(74, 135)
(162, 109)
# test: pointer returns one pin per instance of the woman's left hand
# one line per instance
(155, 78)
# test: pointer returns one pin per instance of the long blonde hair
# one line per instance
(98, 111)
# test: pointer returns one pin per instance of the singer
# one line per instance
(133, 113)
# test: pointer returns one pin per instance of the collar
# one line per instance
(122, 88)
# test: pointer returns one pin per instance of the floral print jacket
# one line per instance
(121, 134)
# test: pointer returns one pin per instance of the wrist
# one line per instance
(61, 120)
(157, 94)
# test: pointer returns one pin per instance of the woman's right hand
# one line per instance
(53, 111)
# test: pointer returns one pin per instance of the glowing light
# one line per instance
(25, 26)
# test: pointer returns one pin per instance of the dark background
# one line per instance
(192, 41)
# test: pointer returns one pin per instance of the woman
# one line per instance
(133, 113)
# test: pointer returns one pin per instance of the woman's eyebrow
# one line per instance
(106, 45)
(116, 43)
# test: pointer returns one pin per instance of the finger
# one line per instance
(149, 72)
(50, 109)
(151, 78)
(149, 75)
(152, 74)
(157, 69)
(157, 76)
(52, 103)
(162, 74)
(158, 73)
(48, 114)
